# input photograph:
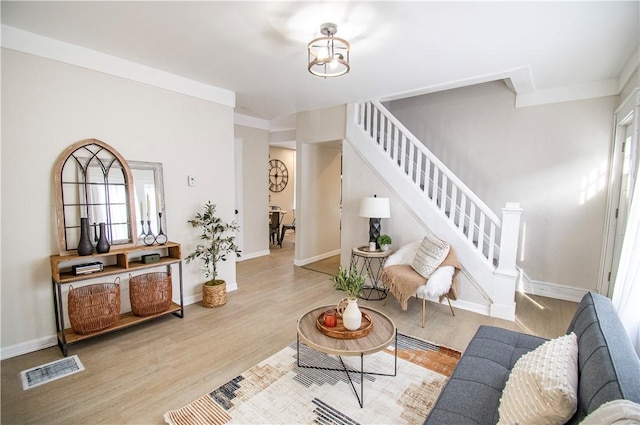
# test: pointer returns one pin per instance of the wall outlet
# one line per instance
(191, 180)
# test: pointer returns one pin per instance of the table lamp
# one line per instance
(374, 209)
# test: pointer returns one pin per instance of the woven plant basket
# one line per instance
(214, 296)
(150, 293)
(94, 307)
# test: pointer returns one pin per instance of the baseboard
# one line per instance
(306, 261)
(473, 307)
(252, 255)
(463, 305)
(551, 290)
(28, 347)
(503, 311)
(193, 299)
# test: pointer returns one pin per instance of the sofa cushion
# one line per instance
(542, 387)
(473, 392)
(608, 366)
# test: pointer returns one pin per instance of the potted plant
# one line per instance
(351, 282)
(385, 242)
(216, 244)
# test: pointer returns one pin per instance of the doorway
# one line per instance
(624, 170)
(238, 146)
(628, 177)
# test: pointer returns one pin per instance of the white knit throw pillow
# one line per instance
(615, 412)
(429, 255)
(542, 388)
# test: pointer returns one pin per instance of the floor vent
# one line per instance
(50, 372)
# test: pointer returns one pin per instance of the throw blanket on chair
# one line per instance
(403, 281)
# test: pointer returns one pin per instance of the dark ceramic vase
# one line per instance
(85, 247)
(103, 244)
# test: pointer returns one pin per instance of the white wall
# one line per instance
(552, 159)
(318, 183)
(47, 106)
(359, 181)
(255, 191)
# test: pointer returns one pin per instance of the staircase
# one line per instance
(485, 244)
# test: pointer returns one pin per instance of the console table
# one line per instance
(117, 261)
(362, 259)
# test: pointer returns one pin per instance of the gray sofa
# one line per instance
(608, 367)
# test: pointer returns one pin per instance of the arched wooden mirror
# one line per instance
(93, 180)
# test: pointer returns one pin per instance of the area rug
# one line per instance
(277, 391)
(327, 266)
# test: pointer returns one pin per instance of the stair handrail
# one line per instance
(393, 145)
(434, 160)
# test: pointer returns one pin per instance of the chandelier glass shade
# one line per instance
(328, 56)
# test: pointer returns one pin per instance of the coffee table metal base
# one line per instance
(346, 370)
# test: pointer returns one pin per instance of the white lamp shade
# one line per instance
(375, 208)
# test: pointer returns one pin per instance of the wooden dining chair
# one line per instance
(285, 227)
(274, 226)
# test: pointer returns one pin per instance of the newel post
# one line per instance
(506, 274)
(509, 237)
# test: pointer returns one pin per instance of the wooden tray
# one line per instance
(339, 330)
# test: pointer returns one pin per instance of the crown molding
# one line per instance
(519, 80)
(568, 93)
(27, 42)
(249, 121)
(629, 68)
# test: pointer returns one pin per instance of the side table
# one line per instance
(362, 259)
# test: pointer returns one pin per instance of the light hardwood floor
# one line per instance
(134, 376)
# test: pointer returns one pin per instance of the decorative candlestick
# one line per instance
(142, 233)
(150, 238)
(161, 239)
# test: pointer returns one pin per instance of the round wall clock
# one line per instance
(278, 175)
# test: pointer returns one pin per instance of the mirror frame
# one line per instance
(158, 178)
(60, 207)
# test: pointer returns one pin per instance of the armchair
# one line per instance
(404, 282)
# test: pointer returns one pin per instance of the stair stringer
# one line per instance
(491, 285)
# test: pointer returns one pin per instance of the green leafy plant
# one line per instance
(217, 243)
(384, 240)
(349, 281)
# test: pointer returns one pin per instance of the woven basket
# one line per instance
(214, 296)
(94, 307)
(150, 293)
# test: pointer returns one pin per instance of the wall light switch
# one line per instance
(191, 180)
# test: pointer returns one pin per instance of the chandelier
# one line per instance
(328, 56)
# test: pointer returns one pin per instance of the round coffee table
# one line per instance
(382, 334)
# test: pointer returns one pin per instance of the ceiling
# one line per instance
(544, 50)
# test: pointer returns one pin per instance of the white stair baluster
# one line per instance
(472, 222)
(453, 204)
